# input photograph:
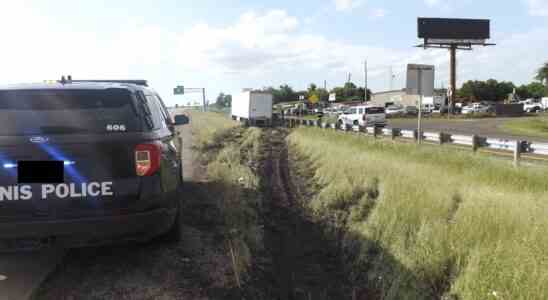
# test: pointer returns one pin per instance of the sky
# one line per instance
(224, 46)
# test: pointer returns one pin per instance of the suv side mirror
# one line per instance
(181, 120)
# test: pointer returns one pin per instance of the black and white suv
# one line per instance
(87, 163)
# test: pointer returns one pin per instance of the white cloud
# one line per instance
(432, 2)
(346, 5)
(379, 13)
(538, 8)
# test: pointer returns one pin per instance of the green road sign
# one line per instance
(179, 90)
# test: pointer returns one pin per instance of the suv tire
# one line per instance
(173, 235)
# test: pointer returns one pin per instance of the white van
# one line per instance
(364, 115)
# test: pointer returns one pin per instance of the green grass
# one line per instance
(534, 126)
(455, 223)
(230, 154)
(207, 126)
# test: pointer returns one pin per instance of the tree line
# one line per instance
(348, 92)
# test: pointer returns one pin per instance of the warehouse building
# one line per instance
(394, 97)
(400, 97)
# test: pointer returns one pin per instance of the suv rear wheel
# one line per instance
(173, 235)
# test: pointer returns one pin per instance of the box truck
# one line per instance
(253, 108)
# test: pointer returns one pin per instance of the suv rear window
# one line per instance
(29, 112)
(374, 110)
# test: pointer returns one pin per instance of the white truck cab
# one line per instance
(363, 115)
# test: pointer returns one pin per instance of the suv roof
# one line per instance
(76, 85)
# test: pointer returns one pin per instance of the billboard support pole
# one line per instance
(453, 78)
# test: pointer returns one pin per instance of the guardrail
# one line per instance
(503, 146)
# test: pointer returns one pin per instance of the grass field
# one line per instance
(534, 126)
(457, 225)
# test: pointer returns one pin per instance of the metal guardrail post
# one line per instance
(475, 143)
(445, 138)
(517, 152)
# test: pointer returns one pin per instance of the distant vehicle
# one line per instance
(365, 115)
(253, 108)
(395, 110)
(475, 108)
(399, 110)
(411, 110)
(533, 106)
(428, 108)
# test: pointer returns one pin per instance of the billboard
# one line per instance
(453, 29)
(426, 80)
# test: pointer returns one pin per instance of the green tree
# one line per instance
(223, 100)
(490, 90)
(542, 74)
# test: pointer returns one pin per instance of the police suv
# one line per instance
(87, 163)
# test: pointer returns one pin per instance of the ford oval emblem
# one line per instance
(38, 139)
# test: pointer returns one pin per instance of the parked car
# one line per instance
(428, 108)
(475, 108)
(411, 110)
(365, 115)
(395, 110)
(533, 105)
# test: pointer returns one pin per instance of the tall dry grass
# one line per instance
(454, 224)
(230, 154)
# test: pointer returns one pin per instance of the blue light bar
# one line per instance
(14, 165)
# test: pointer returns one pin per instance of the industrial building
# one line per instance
(388, 98)
(400, 97)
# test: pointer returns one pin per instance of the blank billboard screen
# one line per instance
(438, 28)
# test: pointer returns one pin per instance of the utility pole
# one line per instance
(365, 80)
(325, 85)
(349, 76)
(204, 100)
(391, 79)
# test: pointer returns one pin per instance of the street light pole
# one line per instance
(365, 80)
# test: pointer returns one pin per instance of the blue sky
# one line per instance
(230, 45)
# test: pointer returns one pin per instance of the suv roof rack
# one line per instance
(141, 82)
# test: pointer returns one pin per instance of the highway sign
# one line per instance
(179, 90)
(313, 99)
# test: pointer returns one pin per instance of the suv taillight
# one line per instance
(147, 159)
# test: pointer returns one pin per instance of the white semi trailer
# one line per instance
(252, 108)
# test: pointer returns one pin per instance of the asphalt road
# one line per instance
(22, 273)
(488, 127)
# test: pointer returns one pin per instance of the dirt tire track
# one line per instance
(303, 263)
